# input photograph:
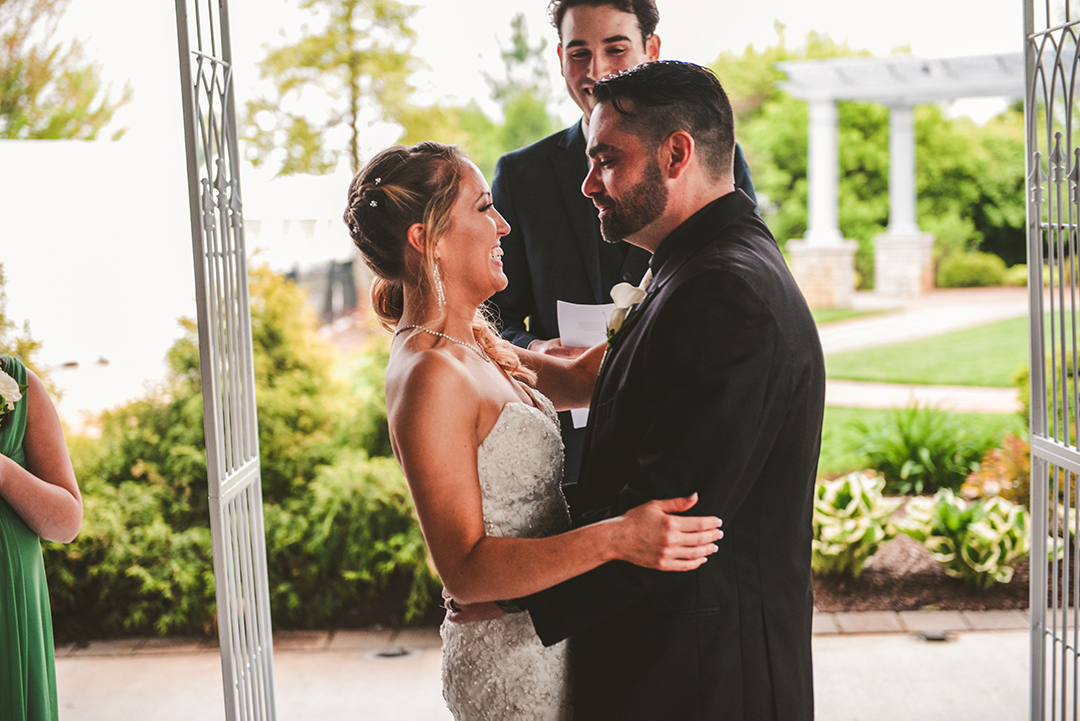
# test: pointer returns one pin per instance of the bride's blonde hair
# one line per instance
(398, 187)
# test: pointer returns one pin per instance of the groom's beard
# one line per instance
(643, 203)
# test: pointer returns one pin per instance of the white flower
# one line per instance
(10, 392)
(625, 296)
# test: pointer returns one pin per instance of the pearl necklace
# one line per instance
(474, 347)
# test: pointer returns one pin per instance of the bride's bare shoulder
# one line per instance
(428, 381)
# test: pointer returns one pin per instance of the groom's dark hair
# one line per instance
(644, 10)
(658, 98)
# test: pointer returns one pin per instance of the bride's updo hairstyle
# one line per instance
(398, 187)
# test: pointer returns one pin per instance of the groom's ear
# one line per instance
(416, 237)
(675, 153)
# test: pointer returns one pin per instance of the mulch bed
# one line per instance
(902, 576)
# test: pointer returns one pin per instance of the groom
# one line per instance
(714, 384)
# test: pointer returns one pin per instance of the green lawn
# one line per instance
(840, 441)
(831, 315)
(988, 355)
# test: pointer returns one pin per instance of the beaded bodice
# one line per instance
(520, 464)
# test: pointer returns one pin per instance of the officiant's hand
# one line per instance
(652, 535)
(554, 347)
(469, 613)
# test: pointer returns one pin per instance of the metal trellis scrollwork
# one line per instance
(225, 353)
(1053, 212)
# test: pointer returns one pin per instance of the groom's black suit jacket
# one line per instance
(554, 250)
(714, 385)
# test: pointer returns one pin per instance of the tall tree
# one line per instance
(524, 92)
(331, 84)
(48, 91)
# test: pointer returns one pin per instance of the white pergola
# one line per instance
(823, 260)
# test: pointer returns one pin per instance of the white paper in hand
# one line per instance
(582, 326)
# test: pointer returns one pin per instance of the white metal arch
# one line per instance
(226, 359)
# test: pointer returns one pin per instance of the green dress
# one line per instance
(27, 668)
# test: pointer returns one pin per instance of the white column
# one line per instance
(823, 224)
(903, 255)
(823, 263)
(902, 217)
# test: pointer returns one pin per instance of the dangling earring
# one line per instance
(440, 296)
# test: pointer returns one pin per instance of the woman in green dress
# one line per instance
(39, 498)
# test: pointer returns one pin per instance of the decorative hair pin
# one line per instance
(378, 180)
(374, 204)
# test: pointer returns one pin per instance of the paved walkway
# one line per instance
(860, 674)
(931, 314)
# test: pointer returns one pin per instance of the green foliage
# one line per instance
(359, 64)
(47, 90)
(843, 434)
(987, 355)
(851, 521)
(970, 177)
(921, 450)
(20, 345)
(467, 127)
(1022, 383)
(525, 120)
(338, 517)
(298, 396)
(364, 423)
(1060, 405)
(352, 533)
(970, 270)
(978, 542)
(1016, 276)
(132, 568)
(524, 92)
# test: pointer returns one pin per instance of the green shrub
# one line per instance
(1022, 382)
(129, 570)
(977, 542)
(348, 538)
(921, 449)
(338, 517)
(1016, 276)
(851, 520)
(969, 270)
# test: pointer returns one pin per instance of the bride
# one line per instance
(477, 439)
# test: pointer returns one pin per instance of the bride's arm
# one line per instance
(568, 382)
(434, 425)
(45, 493)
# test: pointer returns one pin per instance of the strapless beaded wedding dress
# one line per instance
(498, 670)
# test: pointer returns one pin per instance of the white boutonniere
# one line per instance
(625, 296)
(10, 393)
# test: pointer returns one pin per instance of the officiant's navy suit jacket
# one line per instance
(714, 385)
(554, 250)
